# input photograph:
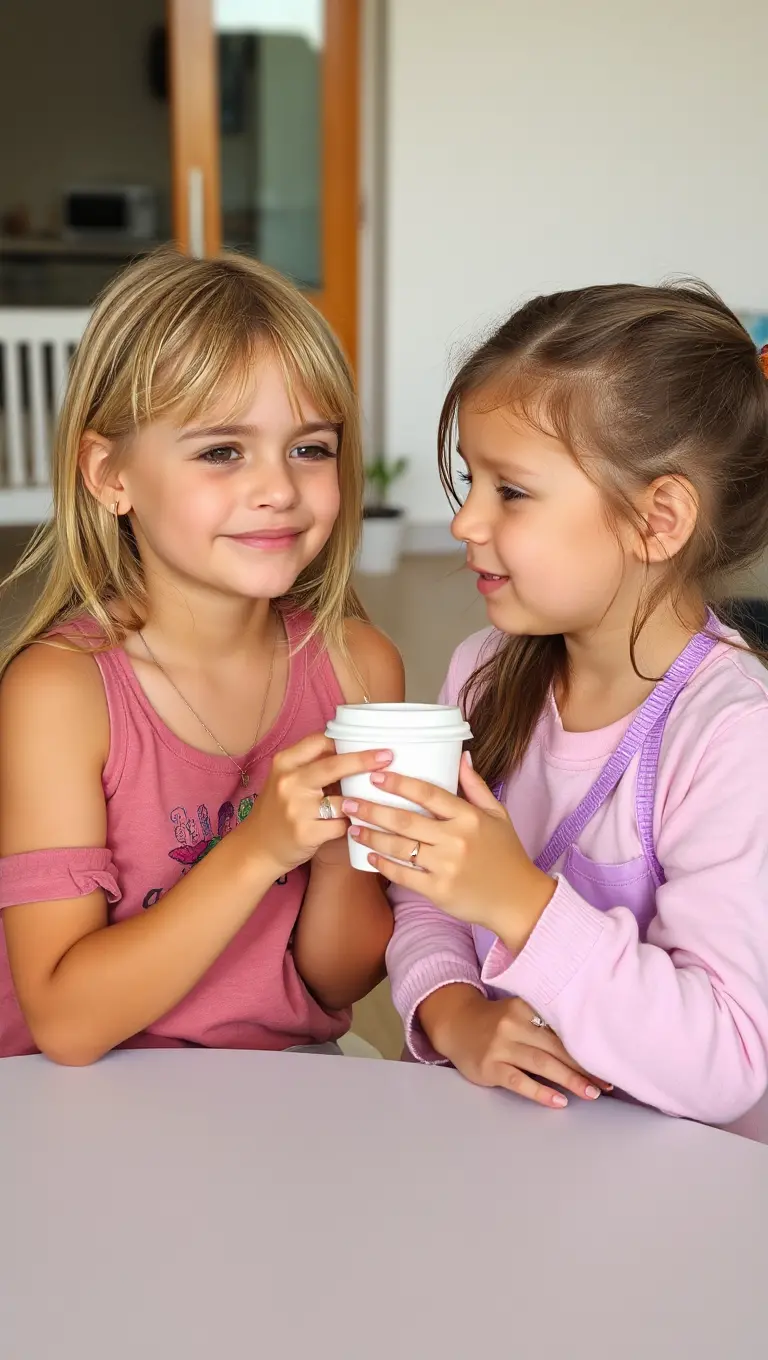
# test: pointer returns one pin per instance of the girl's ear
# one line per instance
(101, 478)
(670, 508)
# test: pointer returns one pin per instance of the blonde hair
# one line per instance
(177, 334)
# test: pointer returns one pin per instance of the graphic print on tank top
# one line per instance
(187, 824)
(195, 838)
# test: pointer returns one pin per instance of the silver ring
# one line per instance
(414, 852)
(326, 812)
(538, 1022)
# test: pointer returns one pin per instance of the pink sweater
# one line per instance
(676, 1016)
(168, 804)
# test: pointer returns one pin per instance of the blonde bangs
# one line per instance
(183, 380)
(181, 337)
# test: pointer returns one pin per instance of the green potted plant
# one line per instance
(383, 523)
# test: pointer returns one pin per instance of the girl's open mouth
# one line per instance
(487, 582)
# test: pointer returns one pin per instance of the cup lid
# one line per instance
(402, 722)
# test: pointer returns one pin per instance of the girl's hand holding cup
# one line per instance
(425, 740)
(466, 857)
(292, 817)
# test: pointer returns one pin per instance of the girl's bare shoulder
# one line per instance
(52, 692)
(373, 666)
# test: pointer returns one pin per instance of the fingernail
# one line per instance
(468, 759)
(383, 757)
(354, 831)
(559, 1100)
(377, 778)
(592, 1092)
(349, 805)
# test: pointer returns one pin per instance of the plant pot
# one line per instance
(382, 541)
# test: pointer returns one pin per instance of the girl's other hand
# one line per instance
(495, 1043)
(286, 821)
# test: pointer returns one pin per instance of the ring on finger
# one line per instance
(539, 1022)
(325, 811)
(415, 852)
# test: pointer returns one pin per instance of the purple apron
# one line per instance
(633, 884)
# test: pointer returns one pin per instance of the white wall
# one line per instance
(539, 144)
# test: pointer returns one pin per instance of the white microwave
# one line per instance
(118, 211)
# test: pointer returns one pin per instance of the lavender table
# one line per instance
(181, 1205)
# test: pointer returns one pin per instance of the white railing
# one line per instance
(36, 347)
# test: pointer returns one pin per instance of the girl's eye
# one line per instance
(511, 493)
(312, 453)
(218, 457)
(507, 493)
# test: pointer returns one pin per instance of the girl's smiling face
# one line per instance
(547, 557)
(238, 504)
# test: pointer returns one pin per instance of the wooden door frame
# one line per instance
(195, 160)
(193, 88)
(341, 170)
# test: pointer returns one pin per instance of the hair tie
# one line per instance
(763, 357)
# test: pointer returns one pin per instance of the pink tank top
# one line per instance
(168, 805)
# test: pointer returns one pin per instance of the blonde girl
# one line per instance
(173, 870)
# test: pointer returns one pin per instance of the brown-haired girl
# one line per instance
(173, 871)
(610, 897)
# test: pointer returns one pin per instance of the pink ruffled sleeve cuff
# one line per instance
(56, 875)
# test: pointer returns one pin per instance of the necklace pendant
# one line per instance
(245, 778)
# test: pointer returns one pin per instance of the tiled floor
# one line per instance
(426, 608)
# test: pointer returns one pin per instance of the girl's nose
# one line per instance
(273, 486)
(469, 524)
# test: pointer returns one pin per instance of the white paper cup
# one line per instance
(426, 741)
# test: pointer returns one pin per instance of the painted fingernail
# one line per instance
(383, 757)
(354, 831)
(349, 805)
(592, 1093)
(559, 1100)
(377, 778)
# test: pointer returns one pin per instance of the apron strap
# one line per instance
(645, 798)
(649, 719)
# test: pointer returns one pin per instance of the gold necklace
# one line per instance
(245, 778)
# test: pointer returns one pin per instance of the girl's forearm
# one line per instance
(118, 980)
(342, 934)
(439, 1013)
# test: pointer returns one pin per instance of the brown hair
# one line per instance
(637, 382)
(177, 334)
